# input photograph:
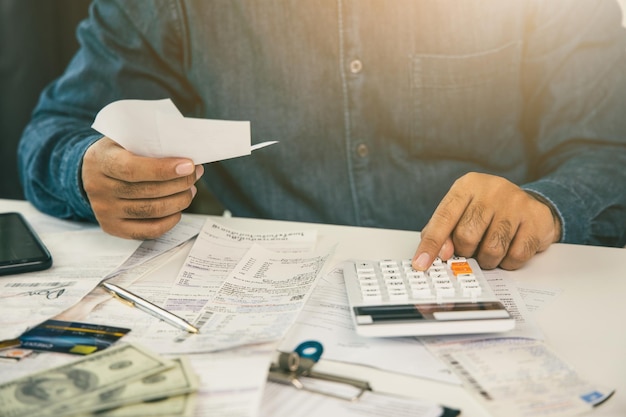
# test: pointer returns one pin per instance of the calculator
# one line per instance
(389, 298)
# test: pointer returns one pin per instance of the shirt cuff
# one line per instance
(72, 178)
(575, 217)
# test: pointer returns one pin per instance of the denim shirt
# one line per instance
(378, 105)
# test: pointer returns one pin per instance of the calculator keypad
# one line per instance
(388, 298)
(397, 281)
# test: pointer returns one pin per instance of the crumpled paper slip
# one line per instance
(156, 128)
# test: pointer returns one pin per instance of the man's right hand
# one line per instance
(133, 196)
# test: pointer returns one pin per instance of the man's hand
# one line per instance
(491, 219)
(136, 197)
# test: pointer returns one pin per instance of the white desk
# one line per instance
(584, 325)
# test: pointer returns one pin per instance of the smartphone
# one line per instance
(21, 250)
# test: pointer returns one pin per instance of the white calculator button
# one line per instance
(366, 277)
(471, 290)
(445, 291)
(437, 261)
(437, 275)
(372, 296)
(466, 277)
(415, 274)
(441, 281)
(369, 285)
(398, 297)
(418, 282)
(395, 290)
(364, 319)
(468, 281)
(421, 292)
(395, 284)
(456, 259)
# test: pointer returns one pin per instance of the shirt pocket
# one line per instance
(468, 107)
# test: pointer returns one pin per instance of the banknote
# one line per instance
(56, 391)
(175, 381)
(176, 406)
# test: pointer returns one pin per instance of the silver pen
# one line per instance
(134, 300)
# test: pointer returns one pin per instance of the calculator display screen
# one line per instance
(427, 311)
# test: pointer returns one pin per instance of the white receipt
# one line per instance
(519, 377)
(215, 254)
(155, 128)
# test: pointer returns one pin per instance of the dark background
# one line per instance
(37, 40)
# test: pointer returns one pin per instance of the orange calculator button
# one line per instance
(460, 268)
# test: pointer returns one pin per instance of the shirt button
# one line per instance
(356, 66)
(362, 150)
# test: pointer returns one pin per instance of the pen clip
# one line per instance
(118, 297)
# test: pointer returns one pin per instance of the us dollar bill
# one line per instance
(176, 406)
(56, 391)
(175, 381)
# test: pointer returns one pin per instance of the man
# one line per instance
(494, 127)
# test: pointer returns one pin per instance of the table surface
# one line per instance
(583, 325)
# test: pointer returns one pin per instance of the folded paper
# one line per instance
(156, 128)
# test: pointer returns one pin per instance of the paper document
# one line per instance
(518, 377)
(326, 318)
(215, 254)
(506, 291)
(232, 381)
(149, 255)
(186, 229)
(29, 299)
(257, 303)
(537, 296)
(155, 128)
(286, 401)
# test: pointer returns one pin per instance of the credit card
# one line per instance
(71, 337)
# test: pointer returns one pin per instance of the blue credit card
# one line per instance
(71, 337)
